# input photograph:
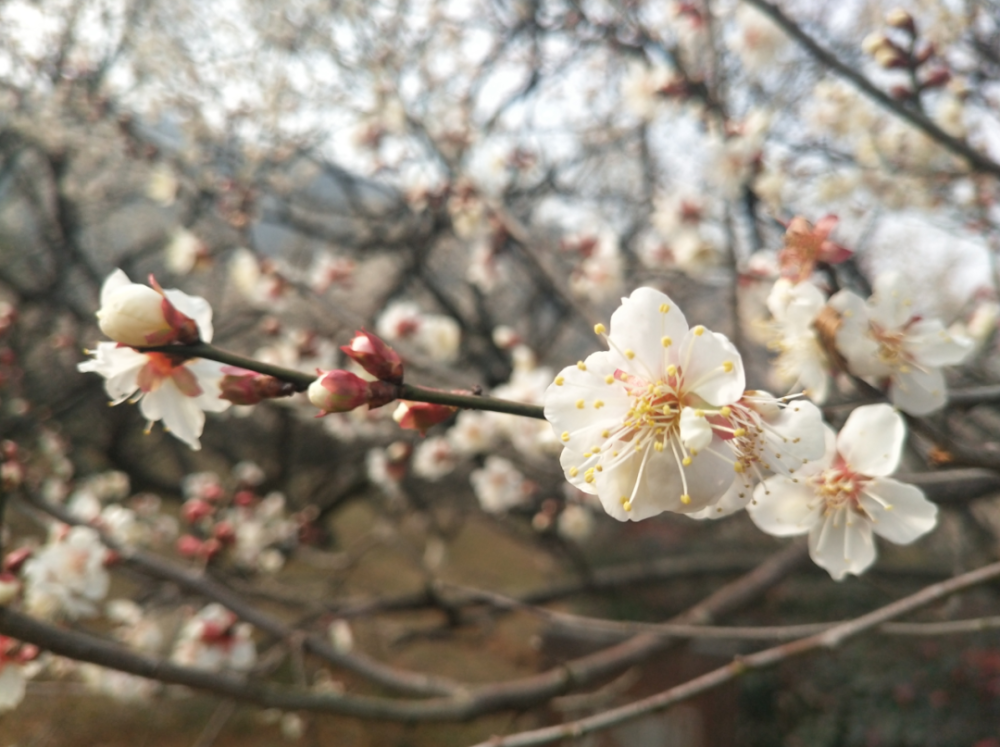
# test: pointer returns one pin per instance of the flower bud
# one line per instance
(243, 387)
(195, 510)
(377, 358)
(901, 19)
(189, 546)
(338, 391)
(139, 315)
(17, 558)
(419, 416)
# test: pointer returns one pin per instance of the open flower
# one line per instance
(173, 389)
(640, 422)
(885, 339)
(845, 497)
(802, 361)
(135, 314)
(66, 578)
(214, 639)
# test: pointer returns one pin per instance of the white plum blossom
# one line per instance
(885, 338)
(844, 498)
(474, 432)
(499, 485)
(175, 390)
(758, 40)
(621, 413)
(434, 335)
(802, 362)
(213, 639)
(434, 458)
(575, 523)
(13, 678)
(67, 577)
(136, 314)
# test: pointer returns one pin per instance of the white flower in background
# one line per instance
(177, 391)
(691, 242)
(643, 424)
(258, 529)
(214, 640)
(641, 89)
(330, 270)
(67, 577)
(732, 160)
(802, 362)
(434, 458)
(474, 432)
(136, 314)
(184, 251)
(844, 498)
(575, 523)
(758, 41)
(434, 335)
(527, 383)
(598, 274)
(162, 184)
(500, 486)
(886, 339)
(980, 326)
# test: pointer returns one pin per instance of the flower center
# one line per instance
(890, 348)
(840, 487)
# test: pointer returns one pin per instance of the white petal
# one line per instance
(713, 368)
(735, 499)
(796, 432)
(853, 340)
(891, 304)
(12, 686)
(842, 543)
(871, 440)
(179, 413)
(639, 326)
(195, 307)
(696, 432)
(918, 392)
(208, 374)
(899, 512)
(585, 424)
(117, 279)
(784, 508)
(931, 344)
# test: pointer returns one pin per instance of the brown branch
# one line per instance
(978, 161)
(760, 660)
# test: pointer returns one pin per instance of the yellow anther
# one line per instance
(587, 455)
(614, 453)
(698, 331)
(588, 478)
(664, 308)
(699, 413)
(623, 500)
(627, 505)
(658, 446)
(596, 450)
(740, 432)
(599, 468)
(725, 412)
(573, 471)
(580, 404)
(685, 499)
(666, 409)
(598, 404)
(589, 472)
(609, 379)
(605, 434)
(630, 354)
(686, 461)
(565, 436)
(666, 341)
(671, 370)
(581, 365)
(738, 467)
(600, 329)
(727, 366)
(560, 381)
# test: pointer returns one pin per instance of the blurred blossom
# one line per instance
(434, 335)
(500, 486)
(434, 458)
(802, 361)
(184, 252)
(215, 640)
(66, 577)
(162, 184)
(575, 523)
(757, 40)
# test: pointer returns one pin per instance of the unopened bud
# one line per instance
(338, 391)
(419, 416)
(243, 387)
(189, 546)
(225, 532)
(195, 510)
(377, 358)
(937, 79)
(872, 43)
(135, 314)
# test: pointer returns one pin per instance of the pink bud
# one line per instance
(224, 532)
(245, 498)
(16, 558)
(243, 387)
(195, 510)
(189, 546)
(377, 358)
(338, 391)
(419, 416)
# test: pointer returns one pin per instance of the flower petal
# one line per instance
(639, 326)
(117, 279)
(842, 543)
(712, 366)
(918, 392)
(899, 512)
(930, 344)
(696, 432)
(871, 440)
(891, 304)
(784, 508)
(195, 307)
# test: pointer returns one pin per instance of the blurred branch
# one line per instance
(761, 660)
(978, 161)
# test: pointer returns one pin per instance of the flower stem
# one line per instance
(301, 381)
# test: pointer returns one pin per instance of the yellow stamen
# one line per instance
(600, 329)
(609, 379)
(630, 354)
(664, 308)
(725, 412)
(598, 404)
(698, 331)
(565, 436)
(573, 471)
(686, 461)
(727, 366)
(666, 341)
(579, 404)
(685, 499)
(560, 381)
(581, 365)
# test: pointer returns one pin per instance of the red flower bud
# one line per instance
(195, 510)
(243, 387)
(377, 358)
(245, 498)
(16, 558)
(224, 532)
(419, 416)
(189, 546)
(338, 391)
